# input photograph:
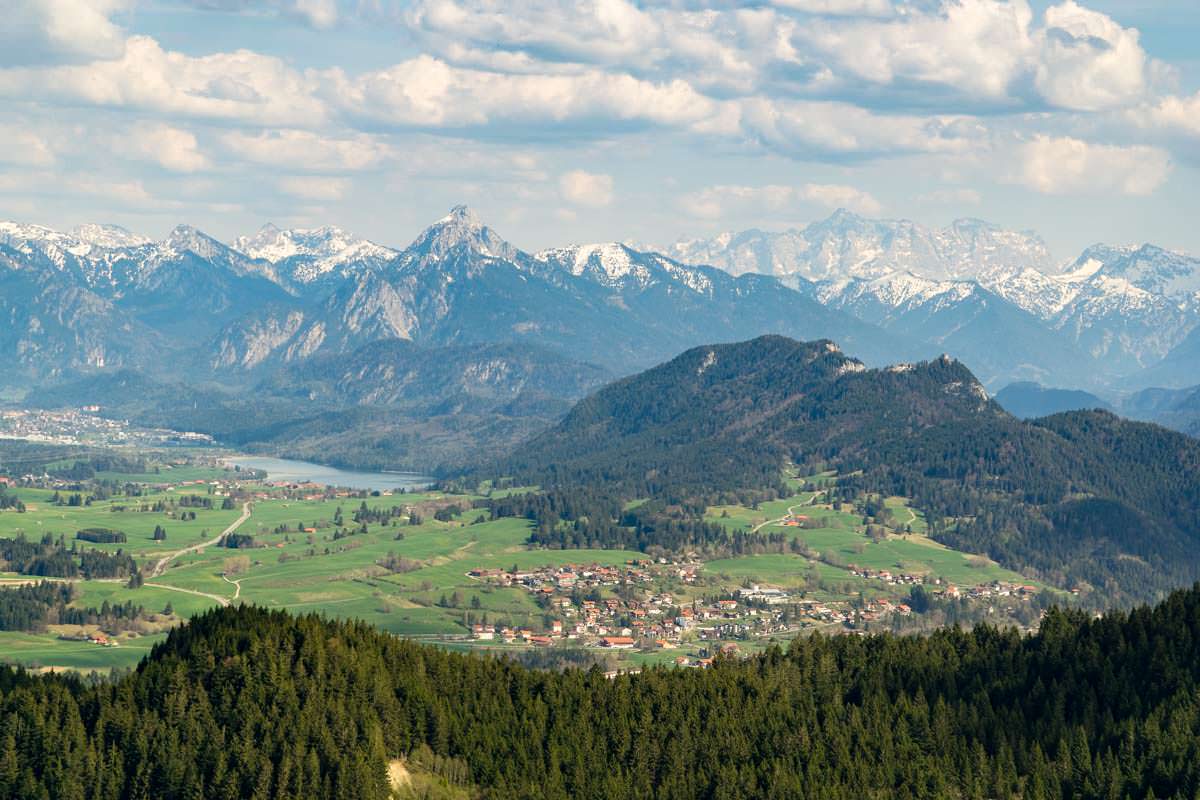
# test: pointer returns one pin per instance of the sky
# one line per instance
(563, 122)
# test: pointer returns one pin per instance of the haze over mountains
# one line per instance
(291, 308)
(993, 297)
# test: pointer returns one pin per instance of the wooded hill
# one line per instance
(1081, 497)
(252, 704)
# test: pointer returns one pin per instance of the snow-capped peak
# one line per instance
(611, 259)
(108, 237)
(328, 243)
(461, 228)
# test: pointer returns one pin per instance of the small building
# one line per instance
(617, 642)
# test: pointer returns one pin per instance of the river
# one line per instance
(283, 469)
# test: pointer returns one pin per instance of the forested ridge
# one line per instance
(1080, 498)
(248, 703)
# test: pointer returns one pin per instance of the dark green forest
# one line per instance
(1078, 499)
(248, 703)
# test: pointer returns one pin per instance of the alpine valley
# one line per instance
(322, 327)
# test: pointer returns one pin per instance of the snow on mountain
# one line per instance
(306, 255)
(108, 237)
(461, 229)
(847, 246)
(620, 266)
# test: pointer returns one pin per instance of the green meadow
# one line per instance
(427, 591)
(47, 650)
(42, 517)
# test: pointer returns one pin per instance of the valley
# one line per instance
(454, 349)
(437, 567)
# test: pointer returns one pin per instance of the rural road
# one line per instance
(236, 584)
(791, 510)
(161, 565)
(222, 600)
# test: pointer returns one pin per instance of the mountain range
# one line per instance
(1116, 318)
(284, 308)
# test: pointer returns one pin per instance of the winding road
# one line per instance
(790, 512)
(161, 565)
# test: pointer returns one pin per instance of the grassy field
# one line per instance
(42, 517)
(46, 650)
(839, 538)
(432, 594)
(342, 577)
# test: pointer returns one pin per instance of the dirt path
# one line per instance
(237, 585)
(160, 566)
(222, 600)
(790, 512)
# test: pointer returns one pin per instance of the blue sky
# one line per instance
(575, 121)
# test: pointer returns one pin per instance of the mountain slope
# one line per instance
(460, 283)
(1079, 499)
(998, 339)
(1029, 400)
(319, 708)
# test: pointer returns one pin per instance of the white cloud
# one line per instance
(806, 128)
(986, 50)
(975, 46)
(306, 150)
(312, 188)
(1087, 61)
(855, 8)
(320, 14)
(1068, 166)
(586, 188)
(57, 31)
(241, 85)
(171, 148)
(713, 202)
(837, 196)
(1172, 114)
(427, 92)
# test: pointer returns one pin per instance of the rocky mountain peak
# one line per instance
(461, 229)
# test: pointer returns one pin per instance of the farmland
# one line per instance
(401, 563)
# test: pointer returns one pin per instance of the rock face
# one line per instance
(885, 290)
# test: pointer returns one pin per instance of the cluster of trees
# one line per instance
(101, 536)
(10, 501)
(34, 606)
(239, 541)
(54, 558)
(247, 703)
(379, 515)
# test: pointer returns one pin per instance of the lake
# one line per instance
(284, 469)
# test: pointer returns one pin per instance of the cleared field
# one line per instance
(46, 650)
(905, 515)
(343, 578)
(42, 517)
(743, 518)
(426, 591)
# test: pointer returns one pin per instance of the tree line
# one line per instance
(249, 703)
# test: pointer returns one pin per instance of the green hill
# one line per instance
(246, 703)
(1079, 499)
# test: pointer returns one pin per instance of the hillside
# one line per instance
(244, 702)
(389, 404)
(1079, 499)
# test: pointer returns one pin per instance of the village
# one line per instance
(85, 426)
(623, 608)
